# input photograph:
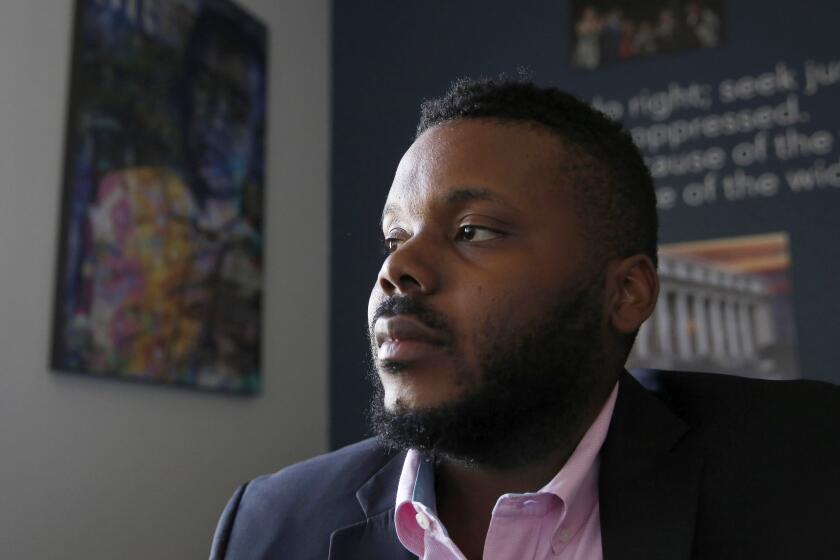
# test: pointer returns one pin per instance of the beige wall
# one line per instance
(98, 469)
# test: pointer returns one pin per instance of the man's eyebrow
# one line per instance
(462, 194)
(465, 194)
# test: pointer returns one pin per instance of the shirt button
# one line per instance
(423, 521)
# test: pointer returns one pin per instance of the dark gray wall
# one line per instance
(388, 56)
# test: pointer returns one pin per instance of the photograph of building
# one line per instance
(724, 306)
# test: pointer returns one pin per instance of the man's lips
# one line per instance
(404, 338)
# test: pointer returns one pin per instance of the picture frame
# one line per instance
(160, 250)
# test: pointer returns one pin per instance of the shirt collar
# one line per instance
(417, 480)
(576, 484)
(415, 495)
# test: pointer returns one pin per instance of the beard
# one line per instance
(534, 387)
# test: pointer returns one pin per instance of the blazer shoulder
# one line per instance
(770, 455)
(795, 414)
(347, 467)
(326, 479)
(299, 506)
(702, 394)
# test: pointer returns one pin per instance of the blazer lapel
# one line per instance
(649, 479)
(373, 539)
(376, 536)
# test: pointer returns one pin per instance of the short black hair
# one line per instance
(615, 192)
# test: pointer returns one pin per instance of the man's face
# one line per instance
(486, 248)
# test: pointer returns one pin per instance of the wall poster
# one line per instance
(160, 274)
(740, 133)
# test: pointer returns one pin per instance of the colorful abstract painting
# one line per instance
(160, 273)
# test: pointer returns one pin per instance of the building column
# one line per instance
(730, 317)
(765, 332)
(642, 345)
(717, 328)
(746, 329)
(683, 324)
(701, 325)
(663, 325)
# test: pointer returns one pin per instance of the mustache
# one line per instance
(407, 305)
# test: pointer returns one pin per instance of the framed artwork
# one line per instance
(160, 270)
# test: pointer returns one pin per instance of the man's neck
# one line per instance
(466, 493)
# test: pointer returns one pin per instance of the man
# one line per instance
(520, 233)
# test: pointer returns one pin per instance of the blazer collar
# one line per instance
(649, 479)
(380, 491)
(376, 536)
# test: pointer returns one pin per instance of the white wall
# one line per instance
(102, 469)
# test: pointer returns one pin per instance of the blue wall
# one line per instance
(388, 56)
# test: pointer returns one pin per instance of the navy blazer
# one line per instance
(701, 466)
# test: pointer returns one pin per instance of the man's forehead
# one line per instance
(481, 159)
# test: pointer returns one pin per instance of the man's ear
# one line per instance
(633, 285)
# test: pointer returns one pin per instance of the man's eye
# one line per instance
(476, 233)
(390, 244)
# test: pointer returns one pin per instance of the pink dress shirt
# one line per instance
(559, 522)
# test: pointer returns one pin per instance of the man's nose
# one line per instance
(412, 268)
